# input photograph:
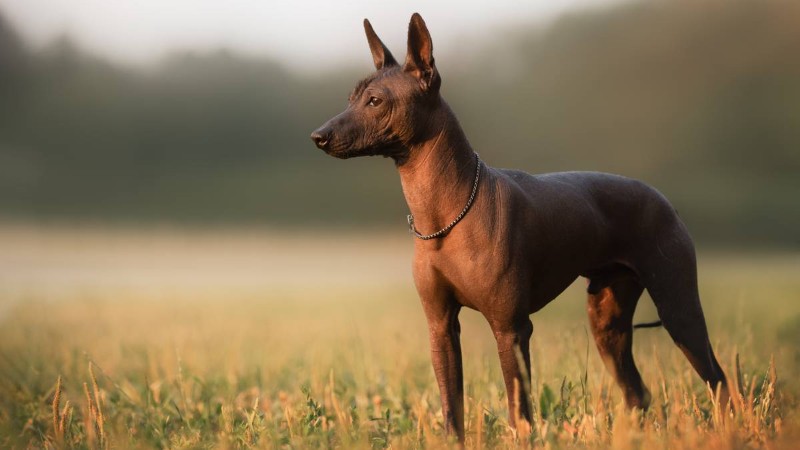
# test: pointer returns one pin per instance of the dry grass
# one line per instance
(348, 367)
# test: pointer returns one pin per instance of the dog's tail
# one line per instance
(655, 324)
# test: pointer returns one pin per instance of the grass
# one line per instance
(346, 365)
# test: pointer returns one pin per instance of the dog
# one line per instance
(506, 243)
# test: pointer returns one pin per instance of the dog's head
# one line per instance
(391, 109)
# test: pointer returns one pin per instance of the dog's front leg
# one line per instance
(445, 337)
(513, 346)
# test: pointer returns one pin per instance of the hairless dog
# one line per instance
(506, 243)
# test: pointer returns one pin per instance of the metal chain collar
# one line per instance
(460, 216)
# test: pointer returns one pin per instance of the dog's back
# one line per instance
(609, 216)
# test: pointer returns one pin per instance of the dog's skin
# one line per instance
(525, 239)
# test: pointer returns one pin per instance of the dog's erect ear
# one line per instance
(419, 60)
(380, 54)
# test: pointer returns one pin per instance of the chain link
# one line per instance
(413, 230)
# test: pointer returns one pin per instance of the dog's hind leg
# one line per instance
(670, 277)
(612, 302)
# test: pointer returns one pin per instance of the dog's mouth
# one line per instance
(352, 145)
(347, 153)
(335, 148)
(343, 150)
(386, 152)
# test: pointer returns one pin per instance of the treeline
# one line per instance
(700, 99)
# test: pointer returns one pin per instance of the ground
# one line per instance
(174, 338)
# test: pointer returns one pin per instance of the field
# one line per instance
(205, 339)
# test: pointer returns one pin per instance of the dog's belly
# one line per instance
(498, 280)
(528, 293)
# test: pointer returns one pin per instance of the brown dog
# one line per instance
(506, 243)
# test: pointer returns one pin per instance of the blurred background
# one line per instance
(199, 115)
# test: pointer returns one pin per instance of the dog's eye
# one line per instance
(374, 101)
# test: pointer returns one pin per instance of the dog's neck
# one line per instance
(438, 174)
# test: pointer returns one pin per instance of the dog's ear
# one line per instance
(381, 55)
(419, 60)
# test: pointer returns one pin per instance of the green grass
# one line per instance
(347, 366)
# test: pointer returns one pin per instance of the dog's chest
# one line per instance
(474, 273)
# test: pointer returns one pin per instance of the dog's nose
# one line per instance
(320, 138)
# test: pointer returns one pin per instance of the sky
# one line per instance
(306, 35)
